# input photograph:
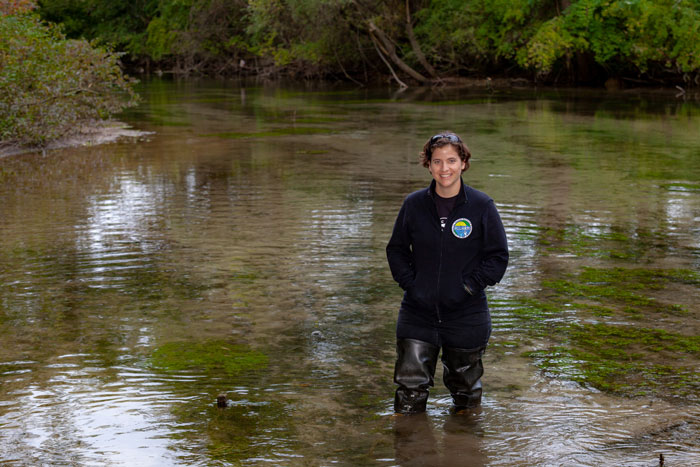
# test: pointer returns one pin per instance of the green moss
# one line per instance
(311, 151)
(602, 335)
(245, 277)
(625, 287)
(640, 278)
(231, 433)
(625, 359)
(598, 292)
(617, 243)
(365, 101)
(678, 186)
(628, 360)
(6, 174)
(510, 344)
(208, 356)
(319, 120)
(172, 123)
(476, 100)
(595, 310)
(273, 133)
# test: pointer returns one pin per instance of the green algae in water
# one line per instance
(208, 356)
(171, 123)
(312, 151)
(625, 360)
(273, 133)
(310, 120)
(237, 432)
(623, 287)
(683, 187)
(618, 243)
(473, 101)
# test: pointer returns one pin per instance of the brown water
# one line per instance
(239, 249)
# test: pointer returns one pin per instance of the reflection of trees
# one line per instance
(279, 243)
(594, 167)
(611, 191)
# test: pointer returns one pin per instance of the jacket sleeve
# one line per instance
(399, 252)
(494, 257)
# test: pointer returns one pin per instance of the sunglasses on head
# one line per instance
(449, 137)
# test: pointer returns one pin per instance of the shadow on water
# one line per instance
(457, 443)
(240, 250)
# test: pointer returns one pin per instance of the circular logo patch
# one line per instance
(462, 228)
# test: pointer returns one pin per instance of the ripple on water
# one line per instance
(265, 240)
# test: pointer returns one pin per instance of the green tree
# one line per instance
(50, 84)
(631, 35)
(583, 40)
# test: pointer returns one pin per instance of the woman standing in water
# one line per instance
(447, 245)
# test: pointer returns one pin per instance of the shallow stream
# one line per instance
(239, 249)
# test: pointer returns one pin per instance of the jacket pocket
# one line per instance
(453, 292)
(419, 292)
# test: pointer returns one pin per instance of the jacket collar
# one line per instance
(461, 196)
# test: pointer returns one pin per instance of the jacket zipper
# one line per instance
(437, 292)
(442, 236)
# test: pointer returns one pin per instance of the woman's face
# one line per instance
(446, 168)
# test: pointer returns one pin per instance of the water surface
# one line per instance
(239, 249)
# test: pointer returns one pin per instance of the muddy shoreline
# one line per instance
(90, 134)
(110, 131)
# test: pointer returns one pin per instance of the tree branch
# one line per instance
(380, 38)
(379, 52)
(416, 46)
(343, 69)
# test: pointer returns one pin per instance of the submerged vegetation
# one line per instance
(222, 357)
(50, 85)
(583, 41)
(228, 431)
(626, 360)
(601, 320)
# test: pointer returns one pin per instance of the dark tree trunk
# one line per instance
(387, 48)
(416, 46)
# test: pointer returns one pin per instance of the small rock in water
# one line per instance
(221, 400)
(317, 334)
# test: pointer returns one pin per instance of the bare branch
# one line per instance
(416, 46)
(380, 38)
(379, 52)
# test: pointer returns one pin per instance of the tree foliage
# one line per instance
(635, 38)
(49, 84)
(621, 35)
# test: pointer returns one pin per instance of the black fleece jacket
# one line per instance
(444, 272)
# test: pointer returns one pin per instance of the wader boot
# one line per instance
(462, 375)
(414, 370)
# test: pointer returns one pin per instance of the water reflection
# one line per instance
(417, 442)
(275, 244)
(116, 237)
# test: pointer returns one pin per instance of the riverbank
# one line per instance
(90, 134)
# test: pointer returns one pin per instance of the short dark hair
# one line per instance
(443, 139)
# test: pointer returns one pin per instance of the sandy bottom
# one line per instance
(88, 135)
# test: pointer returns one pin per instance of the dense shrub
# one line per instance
(579, 40)
(49, 85)
(623, 36)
